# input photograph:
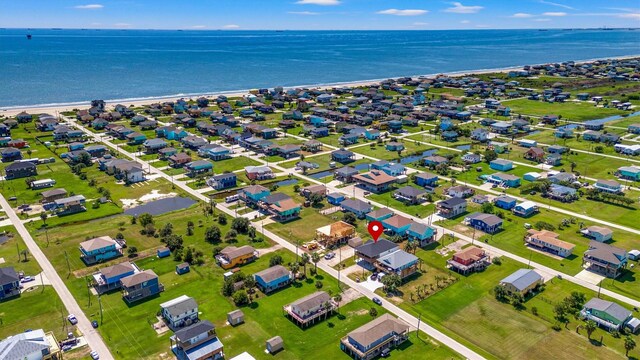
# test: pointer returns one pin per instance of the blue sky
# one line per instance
(319, 14)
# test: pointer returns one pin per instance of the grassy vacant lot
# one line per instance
(468, 310)
(421, 210)
(323, 162)
(380, 152)
(576, 111)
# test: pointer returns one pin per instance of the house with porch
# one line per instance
(469, 260)
(356, 206)
(285, 209)
(222, 181)
(179, 160)
(273, 278)
(547, 241)
(379, 214)
(426, 179)
(422, 233)
(502, 179)
(345, 174)
(522, 282)
(396, 225)
(371, 251)
(598, 233)
(21, 169)
(198, 167)
(452, 207)
(196, 342)
(9, 283)
(310, 309)
(375, 181)
(535, 154)
(232, 256)
(254, 194)
(372, 339)
(343, 156)
(501, 165)
(629, 173)
(179, 312)
(31, 345)
(525, 209)
(606, 314)
(488, 223)
(153, 146)
(399, 263)
(260, 172)
(604, 259)
(409, 195)
(108, 278)
(99, 249)
(141, 285)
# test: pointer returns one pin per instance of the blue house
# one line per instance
(10, 154)
(372, 134)
(501, 165)
(163, 252)
(591, 135)
(75, 146)
(397, 225)
(218, 153)
(269, 133)
(171, 133)
(9, 283)
(222, 181)
(449, 136)
(382, 334)
(254, 194)
(634, 128)
(629, 173)
(503, 179)
(273, 278)
(426, 179)
(420, 232)
(525, 209)
(394, 146)
(446, 124)
(140, 286)
(183, 268)
(505, 202)
(99, 249)
(108, 279)
(563, 133)
(488, 223)
(480, 134)
(358, 207)
(395, 126)
(379, 214)
(198, 167)
(463, 115)
(348, 139)
(335, 198)
(343, 156)
(557, 149)
(319, 132)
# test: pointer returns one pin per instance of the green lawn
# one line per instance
(576, 111)
(421, 210)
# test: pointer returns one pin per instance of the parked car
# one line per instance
(330, 256)
(385, 353)
(374, 276)
(377, 301)
(94, 355)
(94, 323)
(27, 279)
(72, 319)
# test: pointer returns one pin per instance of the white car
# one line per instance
(72, 319)
(94, 355)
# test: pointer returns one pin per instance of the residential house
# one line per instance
(488, 223)
(371, 251)
(284, 209)
(501, 165)
(140, 286)
(526, 143)
(21, 169)
(52, 195)
(563, 133)
(10, 154)
(260, 172)
(222, 181)
(179, 160)
(426, 179)
(607, 314)
(342, 156)
(480, 134)
(108, 279)
(374, 181)
(9, 284)
(471, 158)
(31, 345)
(232, 256)
(335, 198)
(505, 202)
(548, 241)
(522, 282)
(396, 225)
(605, 259)
(409, 195)
(197, 342)
(553, 159)
(399, 263)
(525, 209)
(153, 146)
(422, 233)
(254, 194)
(99, 249)
(562, 193)
(372, 339)
(273, 278)
(634, 128)
(194, 142)
(179, 312)
(557, 149)
(469, 260)
(311, 308)
(535, 154)
(356, 206)
(345, 174)
(502, 179)
(598, 233)
(394, 146)
(625, 172)
(460, 191)
(452, 207)
(434, 160)
(319, 189)
(379, 214)
(312, 146)
(198, 167)
(165, 153)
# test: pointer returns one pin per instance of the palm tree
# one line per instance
(337, 299)
(315, 257)
(629, 344)
(43, 216)
(590, 326)
(304, 260)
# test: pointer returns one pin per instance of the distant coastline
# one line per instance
(60, 107)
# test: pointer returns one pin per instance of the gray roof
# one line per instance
(272, 273)
(8, 275)
(452, 202)
(346, 170)
(236, 314)
(312, 301)
(377, 329)
(380, 212)
(606, 252)
(356, 204)
(275, 341)
(613, 309)
(194, 330)
(410, 191)
(374, 248)
(488, 219)
(138, 278)
(522, 279)
(398, 259)
(179, 305)
(276, 197)
(23, 345)
(116, 270)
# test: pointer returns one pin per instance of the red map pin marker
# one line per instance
(375, 229)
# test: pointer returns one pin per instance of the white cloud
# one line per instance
(465, 22)
(542, 19)
(556, 14)
(458, 8)
(319, 2)
(231, 26)
(556, 4)
(122, 25)
(398, 12)
(420, 23)
(630, 16)
(89, 7)
(303, 13)
(521, 15)
(199, 27)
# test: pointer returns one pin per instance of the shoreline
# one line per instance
(68, 106)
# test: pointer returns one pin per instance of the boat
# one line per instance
(28, 36)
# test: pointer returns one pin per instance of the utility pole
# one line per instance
(100, 303)
(419, 319)
(66, 256)
(88, 290)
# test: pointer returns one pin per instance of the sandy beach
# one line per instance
(58, 108)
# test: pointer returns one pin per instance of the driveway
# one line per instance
(590, 277)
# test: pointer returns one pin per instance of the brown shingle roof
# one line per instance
(377, 329)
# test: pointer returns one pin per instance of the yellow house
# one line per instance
(336, 233)
(232, 256)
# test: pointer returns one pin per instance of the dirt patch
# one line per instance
(359, 312)
(160, 327)
(349, 295)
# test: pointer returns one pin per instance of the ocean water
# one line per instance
(63, 66)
